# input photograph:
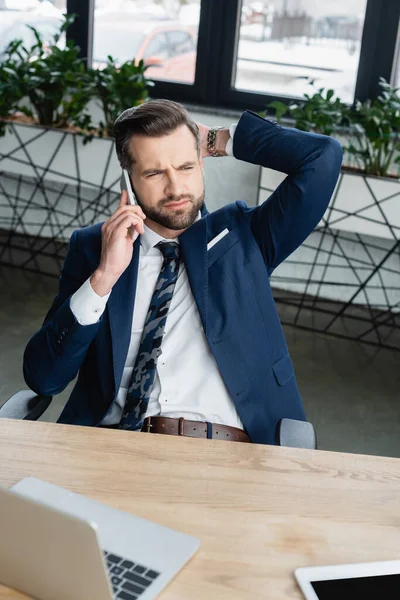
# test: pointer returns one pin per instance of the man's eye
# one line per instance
(187, 168)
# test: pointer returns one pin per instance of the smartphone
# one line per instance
(125, 183)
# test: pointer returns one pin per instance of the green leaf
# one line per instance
(330, 94)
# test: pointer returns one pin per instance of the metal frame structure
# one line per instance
(40, 210)
(364, 270)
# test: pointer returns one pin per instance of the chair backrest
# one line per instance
(25, 405)
(295, 434)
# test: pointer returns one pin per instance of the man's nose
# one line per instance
(174, 185)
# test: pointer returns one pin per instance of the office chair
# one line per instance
(25, 405)
(30, 406)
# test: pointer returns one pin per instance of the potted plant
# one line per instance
(47, 84)
(45, 96)
(374, 132)
(370, 130)
(117, 87)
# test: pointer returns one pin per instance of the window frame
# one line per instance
(396, 64)
(378, 45)
(219, 28)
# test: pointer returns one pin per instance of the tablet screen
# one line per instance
(365, 588)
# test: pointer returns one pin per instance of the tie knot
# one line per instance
(168, 249)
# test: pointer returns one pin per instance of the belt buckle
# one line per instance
(148, 425)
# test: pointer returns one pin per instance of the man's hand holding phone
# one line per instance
(118, 236)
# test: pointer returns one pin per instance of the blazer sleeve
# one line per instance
(55, 353)
(312, 163)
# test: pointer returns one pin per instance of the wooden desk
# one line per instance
(259, 511)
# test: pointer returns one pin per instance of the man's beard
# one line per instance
(175, 219)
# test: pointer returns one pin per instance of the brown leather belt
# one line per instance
(196, 429)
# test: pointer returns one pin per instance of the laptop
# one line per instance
(58, 544)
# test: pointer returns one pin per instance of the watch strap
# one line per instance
(211, 139)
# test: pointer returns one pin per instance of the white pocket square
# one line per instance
(217, 238)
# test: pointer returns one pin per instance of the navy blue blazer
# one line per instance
(230, 284)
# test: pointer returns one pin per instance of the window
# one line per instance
(237, 53)
(163, 33)
(181, 42)
(157, 47)
(15, 15)
(110, 42)
(285, 44)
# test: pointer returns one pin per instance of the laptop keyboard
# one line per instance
(129, 580)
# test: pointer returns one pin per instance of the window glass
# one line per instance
(109, 42)
(15, 15)
(157, 47)
(180, 42)
(161, 32)
(285, 44)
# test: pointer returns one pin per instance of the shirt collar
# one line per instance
(150, 238)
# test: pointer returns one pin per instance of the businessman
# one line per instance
(165, 311)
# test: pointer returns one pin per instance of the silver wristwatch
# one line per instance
(211, 139)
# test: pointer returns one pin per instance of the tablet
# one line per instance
(366, 581)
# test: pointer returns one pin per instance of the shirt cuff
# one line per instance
(229, 144)
(87, 306)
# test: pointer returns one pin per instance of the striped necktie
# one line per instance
(144, 370)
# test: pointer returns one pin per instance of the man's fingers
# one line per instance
(125, 220)
(124, 200)
(133, 232)
(132, 225)
(125, 209)
(125, 217)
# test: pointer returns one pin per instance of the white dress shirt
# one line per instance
(188, 382)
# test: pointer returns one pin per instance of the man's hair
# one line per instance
(155, 118)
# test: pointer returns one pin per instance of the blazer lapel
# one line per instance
(120, 311)
(193, 243)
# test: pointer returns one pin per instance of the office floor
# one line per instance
(351, 392)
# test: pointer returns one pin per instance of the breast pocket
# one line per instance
(221, 247)
(283, 370)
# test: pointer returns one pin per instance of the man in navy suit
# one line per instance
(218, 364)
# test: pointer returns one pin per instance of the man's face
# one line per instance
(167, 176)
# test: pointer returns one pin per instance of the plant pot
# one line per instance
(345, 278)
